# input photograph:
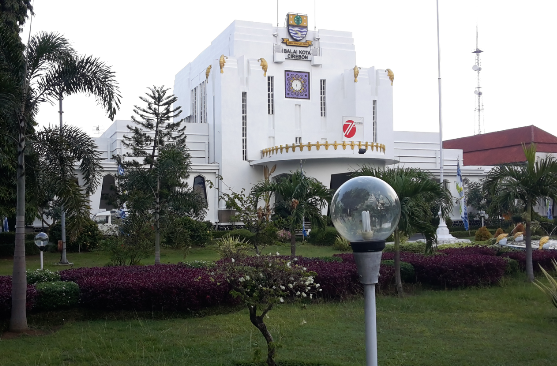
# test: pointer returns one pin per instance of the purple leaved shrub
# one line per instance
(453, 268)
(539, 258)
(469, 250)
(160, 287)
(6, 295)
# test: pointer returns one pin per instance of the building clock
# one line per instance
(296, 84)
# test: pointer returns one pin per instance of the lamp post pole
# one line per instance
(367, 256)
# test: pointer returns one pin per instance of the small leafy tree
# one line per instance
(255, 219)
(155, 186)
(261, 282)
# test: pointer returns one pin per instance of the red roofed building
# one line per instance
(502, 147)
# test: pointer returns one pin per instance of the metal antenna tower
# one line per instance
(477, 68)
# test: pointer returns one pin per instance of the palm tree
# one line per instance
(300, 197)
(42, 71)
(418, 192)
(75, 148)
(525, 184)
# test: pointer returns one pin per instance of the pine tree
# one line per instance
(156, 185)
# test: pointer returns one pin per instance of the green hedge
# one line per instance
(7, 244)
(56, 295)
(407, 247)
(512, 266)
(322, 237)
(185, 232)
(42, 275)
(407, 272)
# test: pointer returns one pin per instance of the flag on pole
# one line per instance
(549, 203)
(460, 190)
(120, 170)
(6, 227)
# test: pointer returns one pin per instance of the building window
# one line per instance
(299, 140)
(244, 126)
(200, 188)
(194, 105)
(374, 121)
(270, 94)
(199, 104)
(323, 89)
(203, 106)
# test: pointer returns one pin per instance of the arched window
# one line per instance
(107, 190)
(199, 187)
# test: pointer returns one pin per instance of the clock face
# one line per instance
(296, 84)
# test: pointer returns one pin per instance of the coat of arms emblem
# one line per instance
(297, 26)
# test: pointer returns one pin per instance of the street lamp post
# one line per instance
(365, 211)
(41, 240)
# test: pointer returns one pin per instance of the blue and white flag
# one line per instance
(120, 170)
(549, 203)
(122, 214)
(6, 227)
(460, 190)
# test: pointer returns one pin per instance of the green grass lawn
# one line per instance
(512, 324)
(99, 258)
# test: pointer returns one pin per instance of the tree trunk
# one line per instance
(259, 324)
(63, 258)
(529, 264)
(18, 320)
(157, 226)
(292, 243)
(398, 278)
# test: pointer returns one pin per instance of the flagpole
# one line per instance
(443, 235)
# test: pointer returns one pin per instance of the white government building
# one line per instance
(261, 95)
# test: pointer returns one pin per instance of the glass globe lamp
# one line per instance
(365, 211)
(41, 240)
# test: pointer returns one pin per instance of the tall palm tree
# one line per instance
(417, 191)
(525, 184)
(75, 148)
(301, 197)
(29, 76)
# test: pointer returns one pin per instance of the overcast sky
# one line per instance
(148, 42)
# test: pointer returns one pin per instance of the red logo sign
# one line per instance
(349, 129)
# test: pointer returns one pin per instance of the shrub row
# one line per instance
(455, 267)
(7, 244)
(539, 258)
(161, 287)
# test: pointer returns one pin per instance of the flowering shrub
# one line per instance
(42, 275)
(6, 295)
(160, 287)
(261, 282)
(284, 236)
(539, 258)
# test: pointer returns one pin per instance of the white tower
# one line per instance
(479, 102)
